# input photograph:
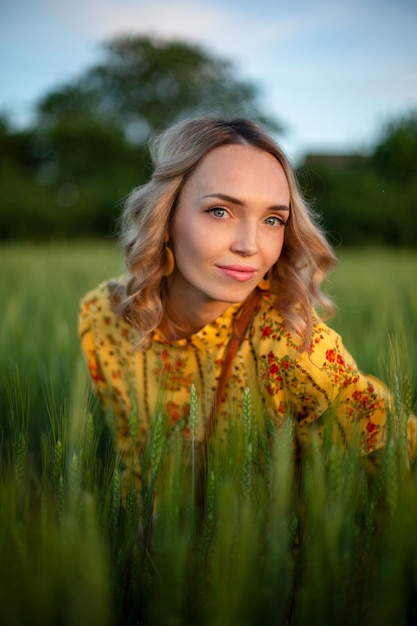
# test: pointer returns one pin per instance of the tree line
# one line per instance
(66, 175)
(373, 199)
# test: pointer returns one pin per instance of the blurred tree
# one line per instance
(66, 175)
(368, 200)
(23, 202)
(394, 159)
(143, 84)
(87, 149)
(88, 167)
(395, 155)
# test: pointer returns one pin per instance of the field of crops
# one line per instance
(331, 545)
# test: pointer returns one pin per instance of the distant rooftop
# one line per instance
(339, 161)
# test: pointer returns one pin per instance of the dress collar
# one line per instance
(216, 332)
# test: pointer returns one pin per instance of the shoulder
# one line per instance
(271, 327)
(96, 295)
(97, 299)
(96, 306)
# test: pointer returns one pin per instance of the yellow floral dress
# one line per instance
(270, 361)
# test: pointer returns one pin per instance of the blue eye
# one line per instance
(274, 220)
(217, 212)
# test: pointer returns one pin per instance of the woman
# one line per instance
(220, 239)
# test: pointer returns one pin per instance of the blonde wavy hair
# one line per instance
(295, 279)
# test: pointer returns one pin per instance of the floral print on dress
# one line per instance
(172, 371)
(270, 360)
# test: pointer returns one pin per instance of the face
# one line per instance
(228, 227)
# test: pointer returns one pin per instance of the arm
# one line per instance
(97, 328)
(325, 387)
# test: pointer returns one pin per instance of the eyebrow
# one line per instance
(227, 198)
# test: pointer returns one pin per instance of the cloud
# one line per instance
(105, 18)
(237, 28)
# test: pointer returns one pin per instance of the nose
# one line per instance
(245, 241)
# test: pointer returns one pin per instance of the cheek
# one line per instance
(192, 242)
(186, 244)
(273, 250)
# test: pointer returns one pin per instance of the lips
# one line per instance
(241, 273)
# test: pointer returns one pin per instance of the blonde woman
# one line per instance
(224, 262)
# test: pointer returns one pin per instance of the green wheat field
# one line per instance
(319, 542)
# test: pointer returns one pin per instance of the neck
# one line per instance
(182, 319)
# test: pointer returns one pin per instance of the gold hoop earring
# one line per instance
(264, 283)
(169, 258)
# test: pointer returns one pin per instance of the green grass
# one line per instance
(376, 297)
(324, 543)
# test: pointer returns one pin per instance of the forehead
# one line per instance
(242, 168)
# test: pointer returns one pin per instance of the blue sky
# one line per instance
(333, 71)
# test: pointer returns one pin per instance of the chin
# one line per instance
(232, 296)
